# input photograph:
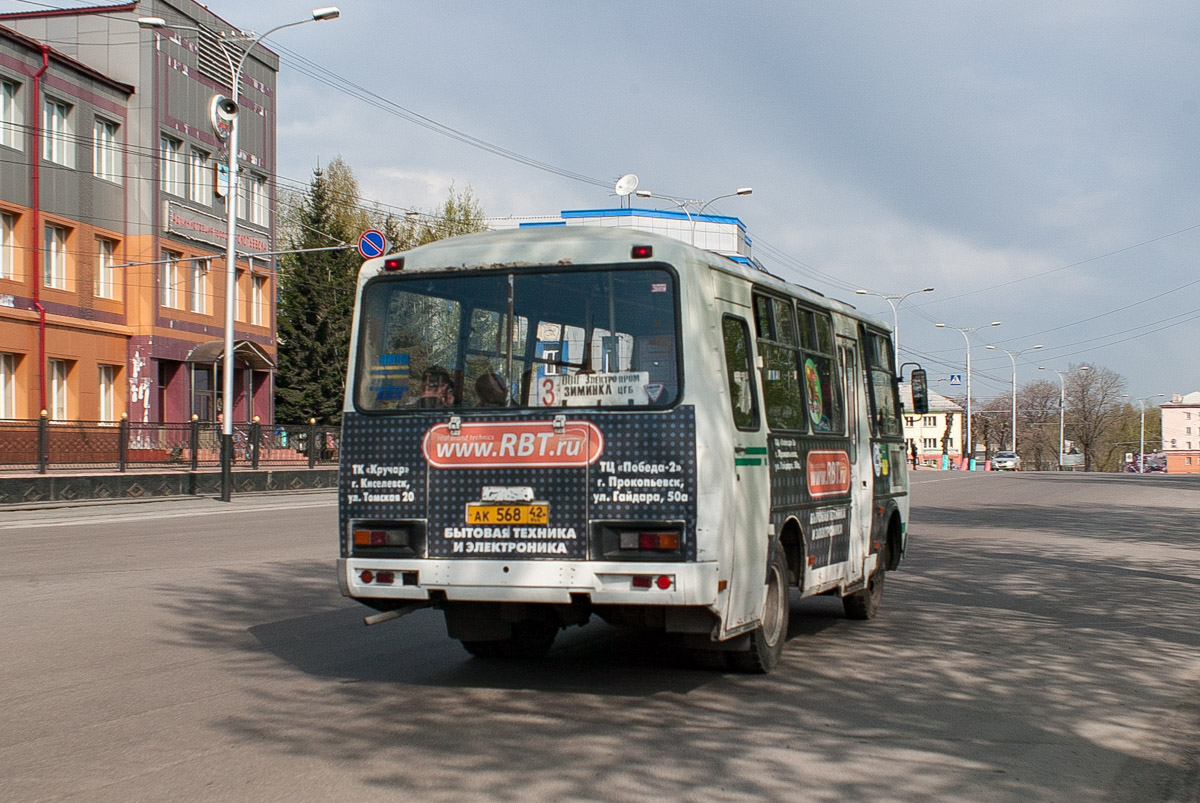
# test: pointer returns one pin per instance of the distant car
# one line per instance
(1006, 461)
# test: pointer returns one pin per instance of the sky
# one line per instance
(1035, 163)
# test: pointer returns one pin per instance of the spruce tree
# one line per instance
(316, 300)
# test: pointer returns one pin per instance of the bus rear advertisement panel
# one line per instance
(468, 485)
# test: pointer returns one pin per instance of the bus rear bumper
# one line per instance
(554, 582)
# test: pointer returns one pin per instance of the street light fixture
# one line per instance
(1012, 355)
(894, 301)
(966, 333)
(1142, 443)
(1062, 406)
(226, 40)
(684, 203)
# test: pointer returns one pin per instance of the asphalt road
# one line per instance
(1040, 643)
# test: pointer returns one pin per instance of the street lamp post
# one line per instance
(894, 301)
(1142, 442)
(226, 40)
(684, 203)
(1062, 406)
(966, 333)
(1012, 355)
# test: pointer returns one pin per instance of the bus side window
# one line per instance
(740, 374)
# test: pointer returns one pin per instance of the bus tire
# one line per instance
(530, 639)
(864, 604)
(767, 640)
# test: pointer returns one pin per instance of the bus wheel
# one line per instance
(767, 640)
(864, 604)
(529, 639)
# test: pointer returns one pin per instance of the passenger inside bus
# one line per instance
(436, 388)
(490, 390)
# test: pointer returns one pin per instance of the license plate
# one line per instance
(508, 514)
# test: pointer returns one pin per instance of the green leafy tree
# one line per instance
(459, 214)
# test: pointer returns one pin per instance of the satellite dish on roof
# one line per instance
(626, 184)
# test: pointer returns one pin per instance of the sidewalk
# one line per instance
(19, 488)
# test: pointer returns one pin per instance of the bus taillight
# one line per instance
(650, 541)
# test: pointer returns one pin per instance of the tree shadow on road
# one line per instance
(984, 673)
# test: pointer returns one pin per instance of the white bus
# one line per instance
(542, 425)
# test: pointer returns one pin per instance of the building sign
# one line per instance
(195, 225)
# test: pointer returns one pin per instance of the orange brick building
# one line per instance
(112, 220)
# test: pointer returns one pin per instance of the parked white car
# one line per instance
(1006, 461)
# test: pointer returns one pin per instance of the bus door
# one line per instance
(746, 519)
(861, 472)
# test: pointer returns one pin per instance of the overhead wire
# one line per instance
(324, 76)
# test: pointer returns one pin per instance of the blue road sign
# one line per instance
(955, 379)
(372, 243)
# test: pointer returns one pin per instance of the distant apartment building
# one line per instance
(1181, 433)
(113, 217)
(939, 431)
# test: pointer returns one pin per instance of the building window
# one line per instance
(105, 153)
(256, 187)
(257, 301)
(8, 386)
(238, 313)
(168, 280)
(10, 116)
(910, 421)
(931, 420)
(106, 285)
(929, 443)
(199, 286)
(108, 392)
(200, 180)
(171, 153)
(1189, 431)
(57, 370)
(57, 145)
(54, 258)
(1187, 461)
(8, 233)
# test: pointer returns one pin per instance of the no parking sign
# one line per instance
(372, 243)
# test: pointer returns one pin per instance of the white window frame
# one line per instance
(256, 189)
(200, 181)
(106, 274)
(257, 300)
(11, 135)
(238, 313)
(170, 151)
(54, 257)
(106, 154)
(243, 197)
(8, 251)
(58, 376)
(8, 385)
(198, 288)
(107, 376)
(57, 143)
(168, 280)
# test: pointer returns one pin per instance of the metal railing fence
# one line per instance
(41, 445)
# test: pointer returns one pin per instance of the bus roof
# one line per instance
(568, 245)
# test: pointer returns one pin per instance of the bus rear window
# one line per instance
(594, 338)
